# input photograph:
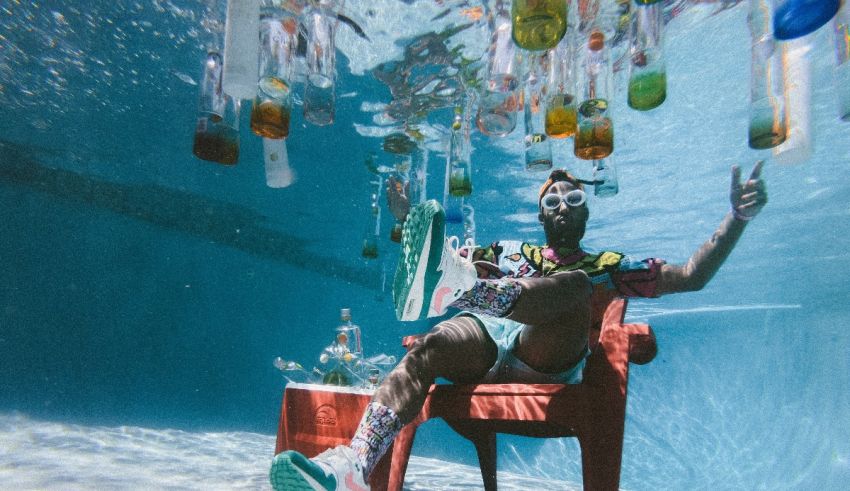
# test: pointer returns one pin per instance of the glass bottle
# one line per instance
(373, 229)
(561, 91)
(793, 19)
(217, 129)
(241, 49)
(460, 167)
(605, 178)
(272, 106)
(841, 31)
(468, 224)
(797, 72)
(647, 72)
(767, 126)
(321, 59)
(538, 25)
(348, 336)
(500, 95)
(595, 129)
(538, 148)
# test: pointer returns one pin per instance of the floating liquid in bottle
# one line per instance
(561, 116)
(647, 90)
(216, 142)
(395, 233)
(370, 251)
(538, 24)
(270, 119)
(460, 182)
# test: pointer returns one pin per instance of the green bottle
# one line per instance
(538, 25)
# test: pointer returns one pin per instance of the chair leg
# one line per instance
(601, 457)
(485, 445)
(401, 455)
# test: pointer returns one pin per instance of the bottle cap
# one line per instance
(345, 314)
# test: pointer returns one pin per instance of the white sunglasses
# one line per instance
(573, 199)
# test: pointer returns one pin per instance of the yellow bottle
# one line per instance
(538, 24)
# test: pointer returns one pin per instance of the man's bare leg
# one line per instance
(457, 349)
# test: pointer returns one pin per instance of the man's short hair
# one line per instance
(559, 175)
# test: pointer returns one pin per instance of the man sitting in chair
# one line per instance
(525, 312)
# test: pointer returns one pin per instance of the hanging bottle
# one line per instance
(373, 228)
(797, 74)
(241, 49)
(452, 205)
(468, 224)
(500, 95)
(605, 178)
(538, 148)
(793, 19)
(595, 129)
(841, 31)
(417, 191)
(767, 126)
(460, 167)
(561, 91)
(647, 71)
(320, 22)
(272, 106)
(538, 25)
(217, 129)
(401, 146)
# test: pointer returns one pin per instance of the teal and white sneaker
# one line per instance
(332, 470)
(431, 274)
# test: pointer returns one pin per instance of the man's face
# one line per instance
(564, 226)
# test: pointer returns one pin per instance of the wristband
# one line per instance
(741, 217)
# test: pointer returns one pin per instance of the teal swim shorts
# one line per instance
(510, 369)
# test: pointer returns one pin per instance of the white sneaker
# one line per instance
(332, 470)
(425, 284)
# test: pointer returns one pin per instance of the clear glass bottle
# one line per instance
(320, 22)
(217, 129)
(538, 148)
(460, 167)
(561, 91)
(595, 128)
(841, 31)
(272, 106)
(647, 71)
(605, 182)
(538, 25)
(348, 336)
(373, 227)
(500, 94)
(797, 72)
(767, 126)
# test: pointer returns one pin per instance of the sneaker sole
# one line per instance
(416, 275)
(287, 474)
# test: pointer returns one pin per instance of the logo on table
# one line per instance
(325, 416)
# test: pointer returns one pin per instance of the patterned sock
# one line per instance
(375, 433)
(490, 297)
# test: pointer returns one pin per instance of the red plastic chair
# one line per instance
(593, 411)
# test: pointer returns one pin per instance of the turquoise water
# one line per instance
(142, 288)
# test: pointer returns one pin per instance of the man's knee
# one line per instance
(575, 283)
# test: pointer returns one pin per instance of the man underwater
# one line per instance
(525, 312)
